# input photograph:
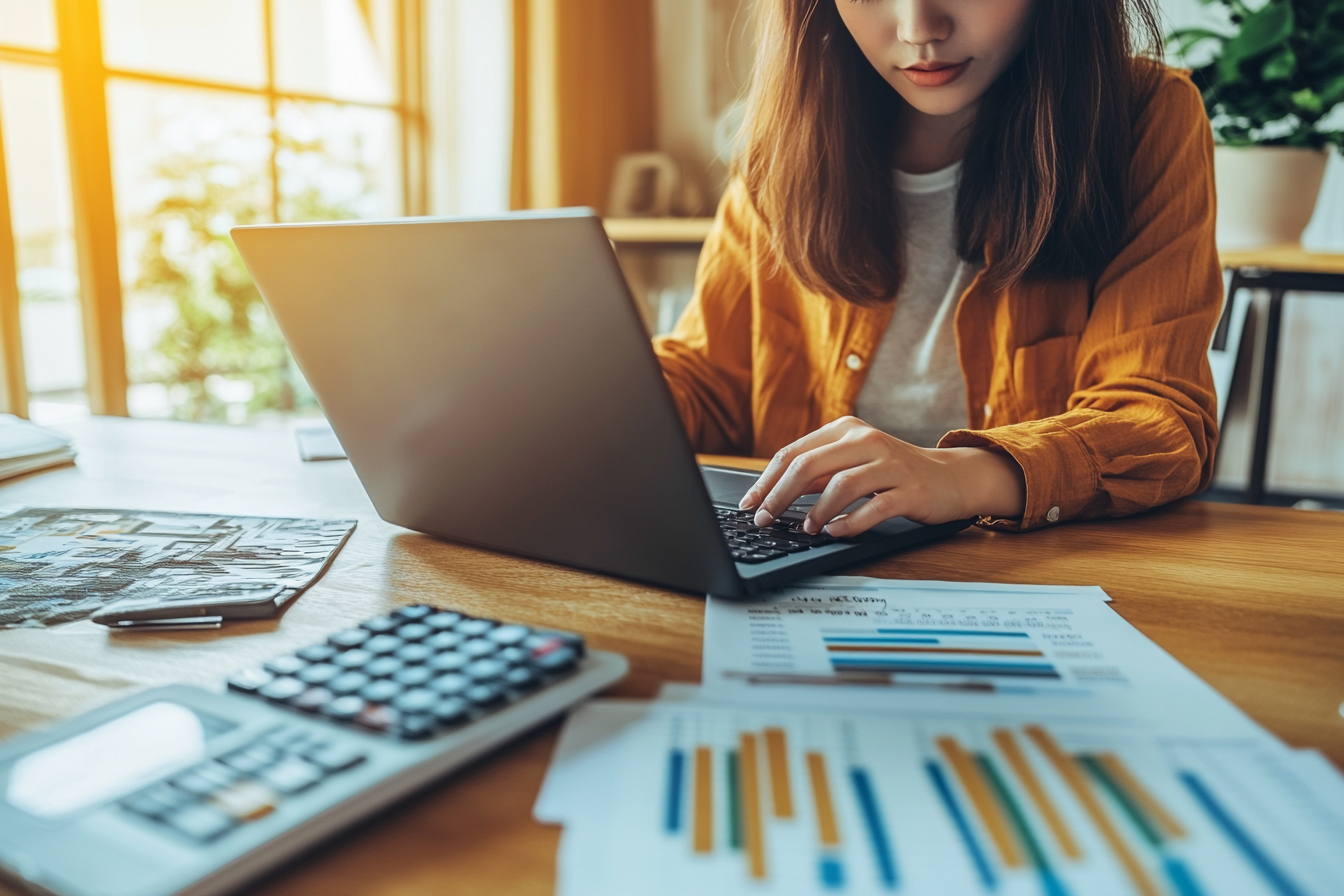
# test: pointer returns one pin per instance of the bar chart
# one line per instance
(730, 800)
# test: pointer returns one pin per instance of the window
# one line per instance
(188, 118)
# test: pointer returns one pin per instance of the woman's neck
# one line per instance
(927, 143)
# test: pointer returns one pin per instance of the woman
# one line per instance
(1041, 286)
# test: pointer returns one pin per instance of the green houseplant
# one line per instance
(1271, 75)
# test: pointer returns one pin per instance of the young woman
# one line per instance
(966, 265)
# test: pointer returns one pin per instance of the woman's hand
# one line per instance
(848, 459)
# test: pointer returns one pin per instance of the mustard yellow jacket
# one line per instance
(1100, 390)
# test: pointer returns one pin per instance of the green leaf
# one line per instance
(1280, 66)
(1307, 100)
(1261, 32)
(1333, 91)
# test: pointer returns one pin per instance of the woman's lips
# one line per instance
(937, 75)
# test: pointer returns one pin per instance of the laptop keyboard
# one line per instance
(750, 543)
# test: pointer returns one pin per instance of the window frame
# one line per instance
(78, 58)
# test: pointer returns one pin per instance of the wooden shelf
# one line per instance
(658, 232)
(1284, 257)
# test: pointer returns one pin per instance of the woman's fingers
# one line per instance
(883, 506)
(804, 470)
(848, 486)
(827, 434)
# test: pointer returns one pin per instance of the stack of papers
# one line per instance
(872, 736)
(25, 447)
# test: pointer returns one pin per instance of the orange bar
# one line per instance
(781, 795)
(991, 813)
(1141, 795)
(821, 797)
(702, 821)
(752, 832)
(1069, 771)
(1013, 753)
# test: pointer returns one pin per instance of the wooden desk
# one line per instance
(1250, 598)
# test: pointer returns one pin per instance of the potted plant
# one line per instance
(1270, 77)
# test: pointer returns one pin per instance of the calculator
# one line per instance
(181, 790)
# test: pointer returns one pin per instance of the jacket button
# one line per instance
(1052, 515)
(988, 412)
(853, 362)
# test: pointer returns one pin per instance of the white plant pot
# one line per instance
(1265, 193)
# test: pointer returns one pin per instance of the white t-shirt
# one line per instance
(915, 390)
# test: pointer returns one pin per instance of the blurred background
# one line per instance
(135, 133)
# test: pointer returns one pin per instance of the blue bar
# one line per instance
(950, 631)
(832, 873)
(877, 833)
(958, 818)
(1249, 848)
(940, 667)
(1182, 878)
(676, 772)
(880, 640)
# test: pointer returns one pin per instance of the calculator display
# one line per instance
(110, 760)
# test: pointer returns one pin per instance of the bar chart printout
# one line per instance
(730, 801)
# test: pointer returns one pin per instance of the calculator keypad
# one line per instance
(415, 672)
(206, 801)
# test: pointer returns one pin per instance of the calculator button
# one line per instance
(413, 676)
(444, 640)
(414, 613)
(202, 785)
(450, 685)
(381, 691)
(415, 701)
(521, 678)
(483, 670)
(442, 621)
(509, 635)
(545, 642)
(285, 738)
(512, 655)
(252, 759)
(383, 644)
(414, 632)
(451, 710)
(473, 627)
(377, 717)
(484, 694)
(348, 683)
(344, 708)
(556, 661)
(351, 637)
(353, 659)
(285, 665)
(200, 822)
(478, 647)
(283, 689)
(316, 653)
(414, 653)
(246, 801)
(332, 758)
(313, 699)
(383, 667)
(448, 662)
(320, 673)
(380, 624)
(415, 727)
(249, 681)
(292, 775)
(155, 802)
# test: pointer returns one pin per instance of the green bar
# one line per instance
(1015, 813)
(1098, 771)
(734, 804)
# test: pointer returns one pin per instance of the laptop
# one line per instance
(493, 383)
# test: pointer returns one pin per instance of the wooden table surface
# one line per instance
(1250, 598)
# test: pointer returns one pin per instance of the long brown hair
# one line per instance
(1045, 175)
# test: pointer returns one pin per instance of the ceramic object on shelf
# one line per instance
(1265, 193)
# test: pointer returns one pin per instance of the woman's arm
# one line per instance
(707, 357)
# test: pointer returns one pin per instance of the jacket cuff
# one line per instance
(1060, 474)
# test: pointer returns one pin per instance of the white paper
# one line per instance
(962, 649)
(1234, 816)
